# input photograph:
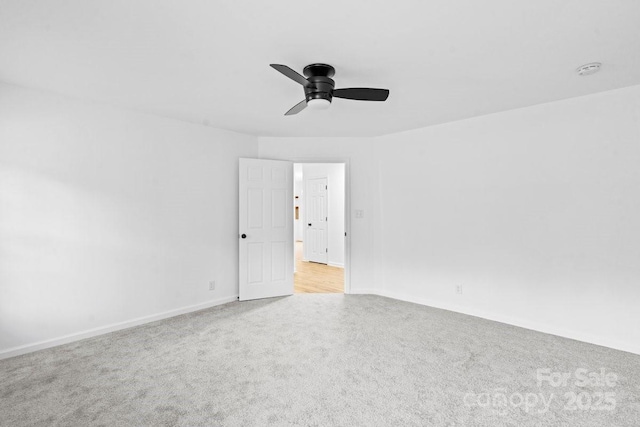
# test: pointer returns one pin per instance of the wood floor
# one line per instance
(311, 277)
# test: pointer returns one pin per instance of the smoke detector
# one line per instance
(588, 69)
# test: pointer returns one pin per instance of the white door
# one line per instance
(266, 228)
(315, 241)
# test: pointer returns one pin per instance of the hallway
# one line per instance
(311, 277)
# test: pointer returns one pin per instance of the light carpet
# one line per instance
(320, 360)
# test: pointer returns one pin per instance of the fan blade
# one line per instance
(297, 108)
(291, 74)
(362, 94)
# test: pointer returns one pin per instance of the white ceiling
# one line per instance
(208, 61)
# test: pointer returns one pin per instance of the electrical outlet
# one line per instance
(212, 285)
(359, 213)
(459, 289)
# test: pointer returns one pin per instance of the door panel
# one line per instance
(266, 221)
(278, 253)
(254, 208)
(279, 208)
(254, 254)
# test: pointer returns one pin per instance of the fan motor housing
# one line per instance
(322, 87)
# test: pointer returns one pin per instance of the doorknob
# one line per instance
(244, 236)
(309, 224)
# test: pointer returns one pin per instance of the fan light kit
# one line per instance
(588, 69)
(319, 88)
(318, 104)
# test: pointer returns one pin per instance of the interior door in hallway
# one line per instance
(265, 228)
(316, 240)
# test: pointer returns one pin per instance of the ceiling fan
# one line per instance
(319, 88)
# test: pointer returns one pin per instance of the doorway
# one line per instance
(319, 227)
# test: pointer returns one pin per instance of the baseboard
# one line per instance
(522, 323)
(364, 291)
(28, 348)
(336, 264)
(535, 326)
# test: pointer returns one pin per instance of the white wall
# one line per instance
(361, 178)
(535, 212)
(334, 172)
(109, 216)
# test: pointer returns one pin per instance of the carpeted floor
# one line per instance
(321, 360)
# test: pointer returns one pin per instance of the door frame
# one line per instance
(347, 207)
